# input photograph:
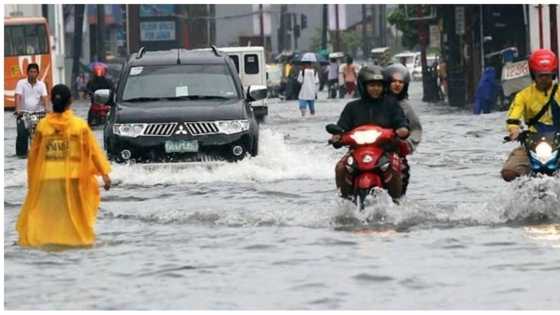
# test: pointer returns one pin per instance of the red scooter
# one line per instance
(373, 151)
(97, 114)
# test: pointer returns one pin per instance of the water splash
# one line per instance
(277, 160)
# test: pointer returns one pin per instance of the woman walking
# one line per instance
(63, 195)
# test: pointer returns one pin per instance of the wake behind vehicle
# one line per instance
(372, 154)
(543, 150)
(181, 106)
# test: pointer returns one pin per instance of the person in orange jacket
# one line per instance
(63, 195)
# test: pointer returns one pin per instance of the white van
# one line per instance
(411, 59)
(251, 66)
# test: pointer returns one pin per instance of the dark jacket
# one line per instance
(99, 83)
(384, 112)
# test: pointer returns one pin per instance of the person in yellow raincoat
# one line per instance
(63, 195)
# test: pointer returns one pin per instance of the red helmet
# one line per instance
(99, 70)
(543, 61)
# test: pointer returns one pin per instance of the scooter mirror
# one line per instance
(334, 129)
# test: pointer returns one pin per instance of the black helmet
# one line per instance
(398, 71)
(367, 74)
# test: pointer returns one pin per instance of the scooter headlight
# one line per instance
(350, 160)
(543, 153)
(365, 137)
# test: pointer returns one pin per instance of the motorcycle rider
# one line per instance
(373, 107)
(31, 95)
(99, 80)
(398, 78)
(537, 105)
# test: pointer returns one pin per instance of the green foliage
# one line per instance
(351, 41)
(408, 28)
(316, 40)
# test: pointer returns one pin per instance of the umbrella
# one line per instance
(311, 57)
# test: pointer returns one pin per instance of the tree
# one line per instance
(408, 28)
(351, 41)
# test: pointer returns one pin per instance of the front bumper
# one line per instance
(215, 147)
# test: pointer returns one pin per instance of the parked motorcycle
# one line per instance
(373, 152)
(543, 151)
(30, 121)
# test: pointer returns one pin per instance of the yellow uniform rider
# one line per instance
(536, 107)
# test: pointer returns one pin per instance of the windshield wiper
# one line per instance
(142, 99)
(197, 97)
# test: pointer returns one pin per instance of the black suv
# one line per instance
(181, 105)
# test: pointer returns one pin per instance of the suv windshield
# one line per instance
(179, 82)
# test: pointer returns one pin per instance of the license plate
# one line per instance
(181, 146)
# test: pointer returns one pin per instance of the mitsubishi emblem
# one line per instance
(181, 130)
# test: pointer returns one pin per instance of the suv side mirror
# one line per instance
(256, 92)
(102, 96)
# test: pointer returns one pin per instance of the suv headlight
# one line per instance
(232, 126)
(129, 130)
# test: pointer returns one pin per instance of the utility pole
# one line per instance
(100, 28)
(296, 30)
(337, 34)
(365, 40)
(77, 43)
(374, 29)
(325, 26)
(423, 37)
(212, 34)
(282, 31)
(261, 19)
(553, 30)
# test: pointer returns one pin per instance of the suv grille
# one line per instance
(202, 128)
(160, 129)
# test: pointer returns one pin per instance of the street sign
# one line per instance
(157, 31)
(460, 20)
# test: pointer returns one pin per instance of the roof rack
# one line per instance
(140, 53)
(215, 50)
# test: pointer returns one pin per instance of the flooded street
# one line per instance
(270, 233)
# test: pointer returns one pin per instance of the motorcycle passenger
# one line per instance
(398, 78)
(373, 107)
(31, 95)
(537, 106)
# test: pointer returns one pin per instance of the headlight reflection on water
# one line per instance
(544, 232)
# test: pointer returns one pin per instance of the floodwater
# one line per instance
(270, 233)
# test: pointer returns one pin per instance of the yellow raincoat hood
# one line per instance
(63, 194)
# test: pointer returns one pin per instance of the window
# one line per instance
(235, 60)
(251, 64)
(8, 44)
(26, 40)
(169, 81)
